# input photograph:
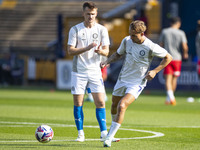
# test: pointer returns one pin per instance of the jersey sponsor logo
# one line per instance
(83, 36)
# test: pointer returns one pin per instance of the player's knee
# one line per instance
(78, 103)
(100, 104)
(122, 106)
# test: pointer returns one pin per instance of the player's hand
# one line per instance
(185, 56)
(98, 51)
(150, 75)
(91, 46)
(102, 64)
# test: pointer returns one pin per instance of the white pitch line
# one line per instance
(156, 134)
(24, 124)
(164, 126)
(65, 125)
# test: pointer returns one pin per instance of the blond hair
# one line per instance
(138, 26)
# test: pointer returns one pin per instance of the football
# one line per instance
(44, 133)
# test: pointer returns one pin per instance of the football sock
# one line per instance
(113, 129)
(80, 132)
(106, 98)
(89, 93)
(170, 95)
(89, 90)
(101, 117)
(104, 133)
(78, 116)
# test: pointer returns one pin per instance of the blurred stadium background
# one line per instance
(33, 37)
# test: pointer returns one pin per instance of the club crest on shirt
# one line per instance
(142, 53)
(95, 35)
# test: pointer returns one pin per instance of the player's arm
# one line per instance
(114, 57)
(185, 50)
(104, 51)
(72, 50)
(117, 55)
(103, 47)
(165, 61)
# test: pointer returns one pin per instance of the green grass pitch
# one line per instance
(148, 123)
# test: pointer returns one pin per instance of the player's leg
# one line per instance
(168, 82)
(176, 65)
(89, 97)
(115, 101)
(100, 112)
(168, 73)
(169, 89)
(98, 92)
(78, 83)
(121, 109)
(99, 100)
(174, 83)
(118, 93)
(122, 106)
(79, 116)
(176, 73)
(131, 93)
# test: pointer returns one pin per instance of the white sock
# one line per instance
(106, 98)
(167, 98)
(90, 96)
(104, 133)
(80, 132)
(113, 116)
(170, 95)
(113, 129)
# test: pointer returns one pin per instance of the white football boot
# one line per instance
(103, 138)
(107, 142)
(80, 138)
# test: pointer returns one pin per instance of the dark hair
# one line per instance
(198, 25)
(90, 5)
(174, 20)
(138, 26)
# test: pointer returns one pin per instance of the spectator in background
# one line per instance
(197, 43)
(174, 41)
